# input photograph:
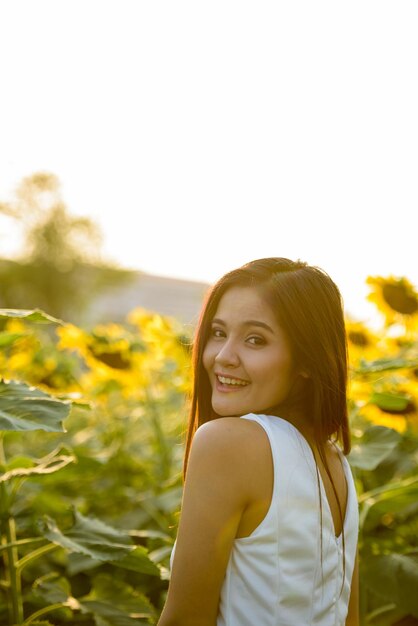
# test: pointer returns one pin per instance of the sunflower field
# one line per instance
(92, 426)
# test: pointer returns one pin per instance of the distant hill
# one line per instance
(178, 298)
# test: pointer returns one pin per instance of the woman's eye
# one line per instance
(258, 340)
(254, 340)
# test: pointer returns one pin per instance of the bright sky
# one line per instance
(202, 135)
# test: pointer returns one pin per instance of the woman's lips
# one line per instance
(226, 388)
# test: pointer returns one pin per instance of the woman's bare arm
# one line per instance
(213, 501)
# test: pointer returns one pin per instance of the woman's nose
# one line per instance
(227, 355)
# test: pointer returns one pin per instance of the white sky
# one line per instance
(202, 135)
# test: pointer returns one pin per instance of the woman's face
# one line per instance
(246, 345)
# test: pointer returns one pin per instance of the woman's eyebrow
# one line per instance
(216, 320)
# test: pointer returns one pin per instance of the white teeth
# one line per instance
(231, 381)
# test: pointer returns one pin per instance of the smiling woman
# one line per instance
(269, 520)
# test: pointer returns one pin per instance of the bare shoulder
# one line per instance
(233, 444)
(232, 433)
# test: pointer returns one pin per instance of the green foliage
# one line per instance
(394, 578)
(30, 315)
(59, 561)
(101, 542)
(384, 462)
(375, 444)
(26, 408)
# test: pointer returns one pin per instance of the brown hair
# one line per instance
(309, 308)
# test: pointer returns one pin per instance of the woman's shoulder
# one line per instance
(242, 438)
(232, 428)
(240, 449)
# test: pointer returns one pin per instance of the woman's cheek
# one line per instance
(207, 356)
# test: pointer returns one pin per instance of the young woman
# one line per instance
(269, 519)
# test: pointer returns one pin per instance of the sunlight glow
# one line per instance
(202, 136)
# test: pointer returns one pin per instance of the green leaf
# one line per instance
(150, 534)
(56, 591)
(80, 563)
(383, 365)
(96, 540)
(397, 499)
(138, 561)
(19, 461)
(25, 408)
(159, 555)
(120, 594)
(390, 401)
(89, 536)
(52, 588)
(7, 339)
(376, 444)
(48, 465)
(393, 577)
(108, 615)
(168, 501)
(32, 315)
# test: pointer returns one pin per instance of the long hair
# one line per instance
(309, 308)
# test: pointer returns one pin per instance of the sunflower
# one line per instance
(378, 416)
(396, 299)
(393, 403)
(362, 342)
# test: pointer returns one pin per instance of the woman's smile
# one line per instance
(226, 384)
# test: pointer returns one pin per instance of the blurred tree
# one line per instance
(60, 268)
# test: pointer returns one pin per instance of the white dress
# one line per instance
(274, 576)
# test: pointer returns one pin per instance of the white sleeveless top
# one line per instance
(274, 576)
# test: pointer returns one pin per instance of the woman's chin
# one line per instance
(229, 409)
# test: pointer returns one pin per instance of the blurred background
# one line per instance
(171, 142)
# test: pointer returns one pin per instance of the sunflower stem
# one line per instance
(46, 609)
(35, 554)
(10, 556)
